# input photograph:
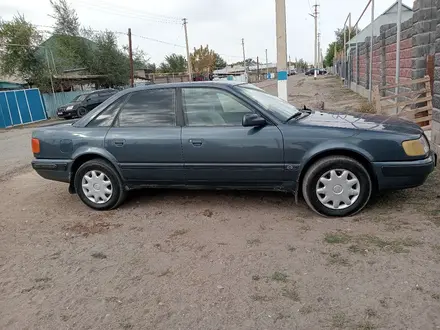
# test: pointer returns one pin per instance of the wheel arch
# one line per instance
(81, 158)
(357, 155)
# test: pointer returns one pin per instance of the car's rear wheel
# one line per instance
(99, 185)
(81, 112)
(337, 186)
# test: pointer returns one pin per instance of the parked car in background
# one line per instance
(83, 103)
(311, 72)
(225, 135)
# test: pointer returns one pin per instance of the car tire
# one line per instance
(81, 112)
(331, 180)
(97, 195)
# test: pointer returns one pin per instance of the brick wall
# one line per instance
(435, 133)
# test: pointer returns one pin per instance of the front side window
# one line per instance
(212, 107)
(155, 107)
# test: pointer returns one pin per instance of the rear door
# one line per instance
(218, 150)
(146, 140)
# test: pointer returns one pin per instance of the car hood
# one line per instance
(361, 121)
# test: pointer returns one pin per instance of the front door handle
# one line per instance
(196, 142)
(119, 143)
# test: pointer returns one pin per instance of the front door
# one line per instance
(145, 139)
(218, 150)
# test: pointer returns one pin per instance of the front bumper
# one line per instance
(402, 175)
(53, 169)
(66, 113)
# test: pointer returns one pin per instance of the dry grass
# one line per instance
(86, 229)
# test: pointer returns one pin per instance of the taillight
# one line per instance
(35, 146)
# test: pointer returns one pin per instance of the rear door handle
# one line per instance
(119, 143)
(196, 142)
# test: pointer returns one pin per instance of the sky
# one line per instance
(221, 24)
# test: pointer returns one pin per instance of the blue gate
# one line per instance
(21, 107)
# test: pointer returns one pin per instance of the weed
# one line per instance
(255, 277)
(396, 246)
(179, 232)
(337, 259)
(254, 241)
(435, 296)
(292, 294)
(279, 277)
(337, 238)
(339, 320)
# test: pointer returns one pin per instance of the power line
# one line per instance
(122, 12)
(176, 18)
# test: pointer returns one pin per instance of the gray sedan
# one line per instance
(215, 135)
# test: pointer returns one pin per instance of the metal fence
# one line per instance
(54, 101)
(21, 107)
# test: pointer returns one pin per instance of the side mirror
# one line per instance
(253, 120)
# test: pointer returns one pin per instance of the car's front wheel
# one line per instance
(99, 185)
(337, 186)
(81, 112)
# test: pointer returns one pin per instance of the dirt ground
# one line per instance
(170, 259)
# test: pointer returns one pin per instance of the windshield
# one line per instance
(80, 98)
(277, 107)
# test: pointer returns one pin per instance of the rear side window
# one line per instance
(106, 117)
(148, 108)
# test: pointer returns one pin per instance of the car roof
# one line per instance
(186, 84)
(99, 91)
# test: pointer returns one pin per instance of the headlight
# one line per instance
(70, 107)
(417, 147)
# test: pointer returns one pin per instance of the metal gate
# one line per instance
(21, 107)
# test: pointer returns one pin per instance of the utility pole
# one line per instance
(130, 55)
(315, 16)
(280, 8)
(267, 66)
(244, 58)
(258, 69)
(319, 49)
(188, 57)
(316, 36)
(370, 95)
(399, 28)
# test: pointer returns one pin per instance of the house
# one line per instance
(11, 83)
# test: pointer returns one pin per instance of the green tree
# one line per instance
(66, 19)
(203, 60)
(339, 44)
(174, 63)
(109, 60)
(220, 63)
(19, 40)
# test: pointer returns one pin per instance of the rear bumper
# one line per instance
(53, 169)
(402, 175)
